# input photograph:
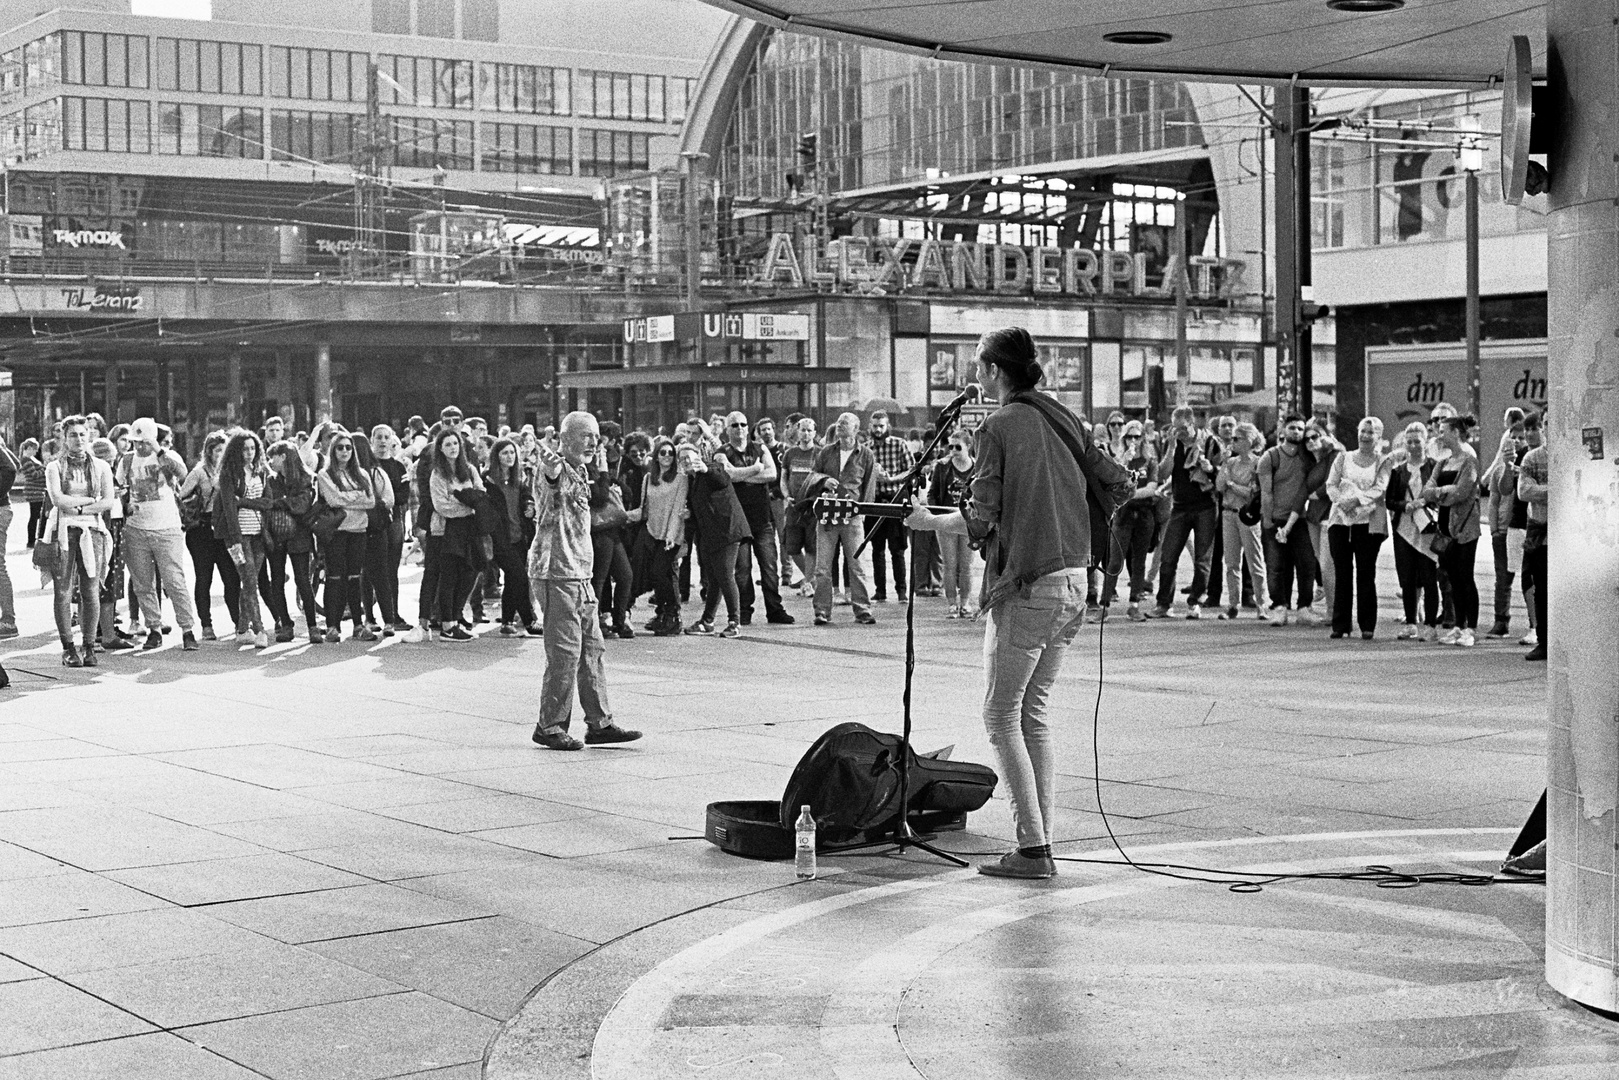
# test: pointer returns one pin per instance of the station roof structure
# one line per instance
(1437, 43)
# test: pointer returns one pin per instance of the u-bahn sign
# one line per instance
(865, 263)
(735, 325)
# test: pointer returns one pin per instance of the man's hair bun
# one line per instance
(1013, 351)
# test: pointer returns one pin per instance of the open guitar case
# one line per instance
(849, 778)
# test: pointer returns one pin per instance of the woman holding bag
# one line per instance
(454, 489)
(291, 493)
(76, 546)
(1454, 490)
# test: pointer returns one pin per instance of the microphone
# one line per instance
(970, 393)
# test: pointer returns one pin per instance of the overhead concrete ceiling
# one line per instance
(1423, 42)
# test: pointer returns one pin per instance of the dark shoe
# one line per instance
(534, 630)
(117, 633)
(1499, 629)
(365, 633)
(154, 640)
(880, 598)
(1014, 865)
(508, 629)
(8, 632)
(557, 740)
(333, 635)
(609, 733)
(88, 655)
(1537, 653)
(623, 630)
(781, 618)
(117, 645)
(70, 657)
(669, 628)
(730, 631)
(208, 634)
(1366, 635)
(1336, 634)
(747, 620)
(823, 620)
(188, 642)
(701, 626)
(315, 636)
(400, 626)
(456, 633)
(865, 618)
(283, 634)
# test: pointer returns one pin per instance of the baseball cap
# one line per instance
(144, 430)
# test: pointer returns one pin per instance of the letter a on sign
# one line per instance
(781, 261)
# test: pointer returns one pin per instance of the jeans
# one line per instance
(1419, 578)
(890, 535)
(379, 549)
(612, 563)
(89, 589)
(516, 606)
(8, 607)
(345, 566)
(456, 580)
(1457, 562)
(1242, 541)
(249, 616)
(798, 540)
(1198, 525)
(273, 585)
(1534, 571)
(957, 551)
(828, 538)
(719, 567)
(1131, 543)
(1507, 548)
(1024, 641)
(432, 558)
(665, 589)
(573, 655)
(765, 545)
(153, 557)
(207, 553)
(1217, 559)
(1354, 557)
(1287, 560)
(926, 560)
(36, 521)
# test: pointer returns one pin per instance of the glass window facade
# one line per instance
(610, 153)
(525, 148)
(523, 88)
(90, 59)
(313, 136)
(884, 117)
(210, 131)
(622, 95)
(111, 126)
(30, 69)
(317, 74)
(422, 142)
(210, 67)
(426, 82)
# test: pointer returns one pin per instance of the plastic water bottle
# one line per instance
(804, 856)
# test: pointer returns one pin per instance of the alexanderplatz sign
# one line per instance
(859, 264)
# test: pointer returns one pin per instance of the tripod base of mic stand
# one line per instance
(905, 837)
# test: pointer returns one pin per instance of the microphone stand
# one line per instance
(903, 835)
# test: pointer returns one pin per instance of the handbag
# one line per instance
(1249, 512)
(47, 555)
(611, 514)
(322, 520)
(1441, 543)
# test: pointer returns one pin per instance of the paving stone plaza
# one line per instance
(350, 862)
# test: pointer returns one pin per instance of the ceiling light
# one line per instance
(1365, 7)
(1136, 37)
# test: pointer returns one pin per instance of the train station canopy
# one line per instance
(1435, 43)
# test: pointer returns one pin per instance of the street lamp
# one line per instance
(1470, 156)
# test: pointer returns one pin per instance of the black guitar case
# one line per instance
(849, 778)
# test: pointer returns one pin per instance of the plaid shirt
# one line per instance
(895, 458)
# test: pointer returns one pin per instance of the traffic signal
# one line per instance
(807, 148)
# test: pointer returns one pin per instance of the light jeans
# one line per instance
(828, 538)
(1025, 637)
(573, 654)
(152, 555)
(957, 552)
(1242, 541)
(8, 608)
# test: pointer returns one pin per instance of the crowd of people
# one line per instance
(1287, 528)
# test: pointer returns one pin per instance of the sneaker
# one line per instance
(284, 633)
(701, 626)
(1278, 615)
(9, 632)
(1306, 616)
(1229, 613)
(400, 626)
(1014, 865)
(1450, 637)
(244, 637)
(557, 740)
(415, 635)
(806, 591)
(1426, 633)
(365, 633)
(780, 618)
(1466, 639)
(1194, 611)
(1407, 632)
(534, 629)
(154, 640)
(71, 658)
(1159, 612)
(730, 631)
(1499, 630)
(117, 644)
(865, 618)
(87, 655)
(188, 641)
(261, 640)
(669, 628)
(208, 634)
(1531, 639)
(315, 636)
(823, 620)
(609, 733)
(508, 630)
(1135, 614)
(1537, 653)
(623, 630)
(333, 635)
(454, 633)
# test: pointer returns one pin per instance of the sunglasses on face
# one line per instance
(737, 425)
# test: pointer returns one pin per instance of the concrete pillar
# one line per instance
(234, 405)
(323, 382)
(110, 405)
(1582, 412)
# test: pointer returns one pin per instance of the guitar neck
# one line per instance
(889, 510)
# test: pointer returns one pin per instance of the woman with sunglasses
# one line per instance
(952, 486)
(452, 533)
(344, 486)
(663, 506)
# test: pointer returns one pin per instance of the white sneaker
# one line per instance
(245, 637)
(1466, 640)
(1530, 639)
(1278, 616)
(1306, 616)
(261, 640)
(1407, 632)
(1194, 611)
(1426, 633)
(1451, 636)
(415, 635)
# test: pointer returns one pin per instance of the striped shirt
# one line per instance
(250, 522)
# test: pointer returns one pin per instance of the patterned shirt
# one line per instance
(562, 549)
(895, 458)
(250, 522)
